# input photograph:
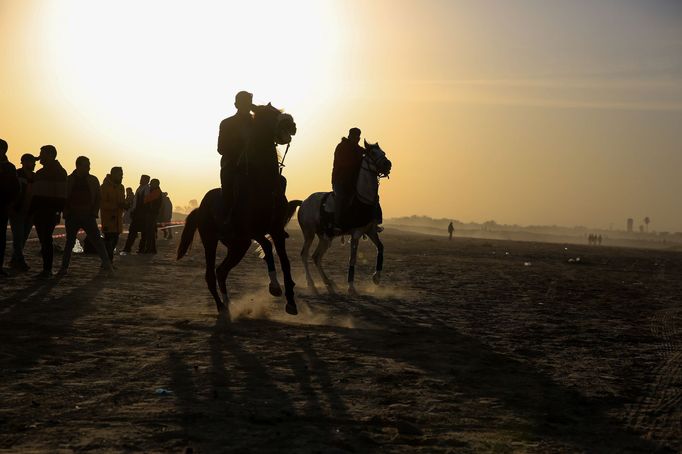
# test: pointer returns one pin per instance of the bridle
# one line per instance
(373, 160)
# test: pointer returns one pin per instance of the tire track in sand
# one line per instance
(659, 411)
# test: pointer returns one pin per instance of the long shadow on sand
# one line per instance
(255, 411)
(33, 319)
(252, 408)
(469, 366)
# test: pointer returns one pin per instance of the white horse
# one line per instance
(363, 211)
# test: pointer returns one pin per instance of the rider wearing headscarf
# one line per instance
(347, 161)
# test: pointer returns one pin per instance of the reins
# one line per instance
(281, 164)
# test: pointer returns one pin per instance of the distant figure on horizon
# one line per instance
(81, 211)
(233, 138)
(47, 203)
(130, 197)
(451, 230)
(112, 208)
(9, 189)
(166, 215)
(138, 216)
(20, 220)
(347, 160)
(152, 207)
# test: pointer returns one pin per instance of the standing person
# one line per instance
(19, 219)
(137, 217)
(153, 206)
(233, 139)
(130, 197)
(80, 212)
(47, 203)
(347, 160)
(166, 215)
(9, 189)
(111, 211)
(451, 230)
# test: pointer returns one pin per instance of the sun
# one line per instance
(165, 72)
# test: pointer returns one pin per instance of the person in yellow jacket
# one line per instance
(112, 207)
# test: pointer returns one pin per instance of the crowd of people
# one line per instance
(41, 198)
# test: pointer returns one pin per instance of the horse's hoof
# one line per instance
(352, 291)
(376, 279)
(275, 290)
(291, 309)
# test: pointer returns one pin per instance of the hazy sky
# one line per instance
(528, 112)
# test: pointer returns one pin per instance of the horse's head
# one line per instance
(275, 122)
(378, 159)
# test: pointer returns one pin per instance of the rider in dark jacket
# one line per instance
(233, 139)
(347, 161)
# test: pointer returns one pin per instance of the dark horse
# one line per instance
(262, 209)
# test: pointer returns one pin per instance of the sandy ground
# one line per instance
(464, 348)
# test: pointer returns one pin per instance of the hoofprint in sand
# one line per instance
(468, 346)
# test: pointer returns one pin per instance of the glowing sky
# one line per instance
(528, 112)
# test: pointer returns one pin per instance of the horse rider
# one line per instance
(347, 160)
(233, 140)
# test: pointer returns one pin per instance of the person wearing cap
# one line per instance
(19, 218)
(347, 160)
(47, 203)
(111, 209)
(233, 139)
(9, 188)
(83, 199)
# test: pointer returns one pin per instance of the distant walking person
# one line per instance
(81, 209)
(112, 208)
(451, 230)
(47, 203)
(19, 218)
(9, 189)
(130, 197)
(166, 215)
(153, 206)
(138, 217)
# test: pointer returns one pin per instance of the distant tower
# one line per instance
(631, 224)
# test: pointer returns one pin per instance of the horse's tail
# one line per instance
(191, 225)
(291, 210)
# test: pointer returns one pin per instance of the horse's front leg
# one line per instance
(354, 242)
(374, 236)
(274, 288)
(289, 283)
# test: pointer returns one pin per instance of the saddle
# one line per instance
(219, 211)
(356, 214)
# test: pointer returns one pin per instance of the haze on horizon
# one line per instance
(525, 112)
